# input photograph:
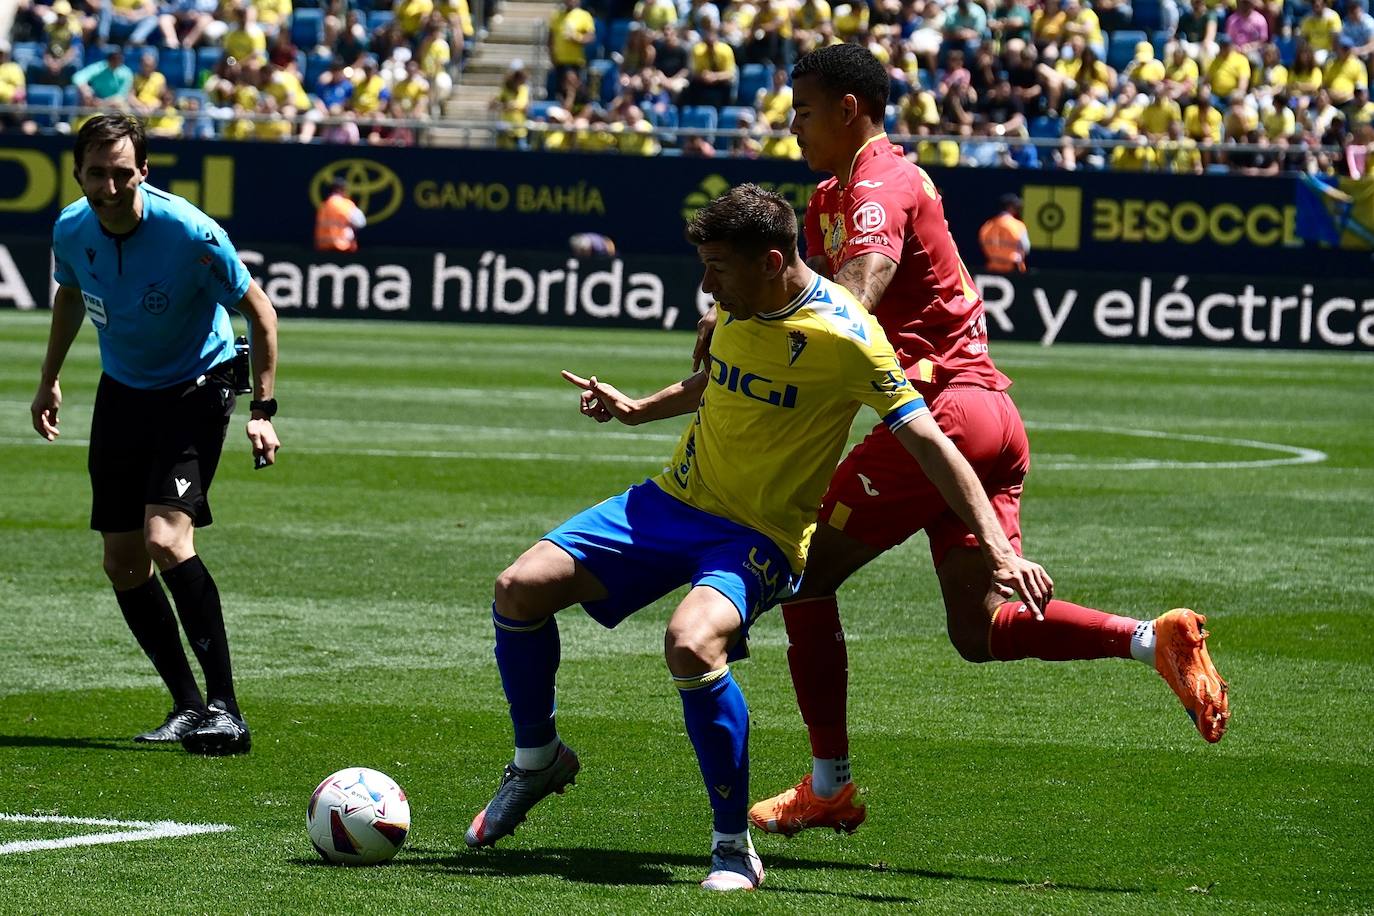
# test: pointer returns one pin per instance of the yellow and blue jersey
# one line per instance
(157, 295)
(784, 388)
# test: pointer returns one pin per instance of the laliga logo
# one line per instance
(869, 218)
(372, 186)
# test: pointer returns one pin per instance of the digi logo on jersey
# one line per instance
(752, 386)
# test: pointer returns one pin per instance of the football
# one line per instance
(358, 816)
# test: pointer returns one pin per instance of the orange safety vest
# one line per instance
(333, 230)
(1001, 240)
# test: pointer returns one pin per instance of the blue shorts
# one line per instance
(644, 543)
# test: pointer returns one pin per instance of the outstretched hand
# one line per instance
(1019, 576)
(603, 402)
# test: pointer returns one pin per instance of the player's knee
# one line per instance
(692, 650)
(514, 594)
(125, 572)
(164, 546)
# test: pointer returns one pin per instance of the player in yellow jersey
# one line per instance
(793, 357)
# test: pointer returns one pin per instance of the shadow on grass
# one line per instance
(624, 867)
(97, 744)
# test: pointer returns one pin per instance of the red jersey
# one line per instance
(931, 312)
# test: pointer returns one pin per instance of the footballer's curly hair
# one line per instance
(849, 69)
(747, 218)
(104, 129)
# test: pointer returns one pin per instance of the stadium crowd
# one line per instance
(333, 70)
(1256, 86)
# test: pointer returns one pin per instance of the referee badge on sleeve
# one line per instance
(95, 307)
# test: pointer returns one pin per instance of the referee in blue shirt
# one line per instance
(155, 276)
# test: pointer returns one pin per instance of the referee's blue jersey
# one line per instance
(157, 295)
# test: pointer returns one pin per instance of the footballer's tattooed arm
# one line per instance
(867, 277)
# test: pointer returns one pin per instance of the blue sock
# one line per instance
(527, 655)
(718, 724)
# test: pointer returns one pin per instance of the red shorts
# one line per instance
(879, 495)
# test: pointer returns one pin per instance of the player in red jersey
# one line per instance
(878, 227)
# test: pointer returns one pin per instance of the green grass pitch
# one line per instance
(419, 459)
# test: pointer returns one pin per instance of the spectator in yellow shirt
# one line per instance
(1136, 156)
(1156, 117)
(411, 15)
(369, 89)
(246, 39)
(435, 56)
(571, 29)
(1180, 74)
(1179, 154)
(1080, 20)
(1344, 73)
(771, 33)
(1202, 123)
(13, 85)
(1271, 75)
(712, 71)
(164, 120)
(1278, 120)
(1240, 118)
(512, 103)
(149, 85)
(1319, 29)
(271, 15)
(1047, 23)
(1229, 71)
(1145, 71)
(1305, 76)
(655, 15)
(411, 92)
(849, 20)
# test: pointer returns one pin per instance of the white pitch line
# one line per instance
(142, 830)
(1292, 454)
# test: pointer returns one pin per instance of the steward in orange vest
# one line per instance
(1004, 238)
(337, 221)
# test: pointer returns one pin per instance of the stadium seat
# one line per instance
(25, 51)
(1288, 49)
(71, 96)
(1121, 47)
(1160, 40)
(539, 109)
(1147, 15)
(176, 64)
(890, 119)
(207, 59)
(729, 120)
(752, 78)
(617, 35)
(315, 65)
(1046, 127)
(699, 117)
(40, 96)
(376, 20)
(307, 28)
(598, 47)
(603, 80)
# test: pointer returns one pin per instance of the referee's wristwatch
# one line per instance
(268, 407)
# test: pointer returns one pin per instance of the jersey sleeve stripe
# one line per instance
(906, 413)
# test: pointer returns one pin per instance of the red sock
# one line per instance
(1068, 632)
(819, 661)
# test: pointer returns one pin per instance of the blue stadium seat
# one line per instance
(701, 117)
(1160, 40)
(1121, 47)
(197, 94)
(1288, 49)
(1147, 15)
(1046, 127)
(599, 46)
(376, 20)
(729, 120)
(890, 119)
(616, 35)
(207, 59)
(307, 28)
(603, 80)
(539, 109)
(315, 65)
(42, 96)
(133, 55)
(25, 51)
(667, 118)
(752, 78)
(177, 65)
(71, 96)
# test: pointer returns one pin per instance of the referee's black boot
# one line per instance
(221, 734)
(179, 724)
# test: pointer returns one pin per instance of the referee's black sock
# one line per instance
(150, 619)
(202, 618)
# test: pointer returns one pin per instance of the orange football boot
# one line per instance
(1181, 658)
(800, 808)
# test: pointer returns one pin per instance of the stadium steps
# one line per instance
(518, 34)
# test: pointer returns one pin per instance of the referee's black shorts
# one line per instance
(156, 447)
